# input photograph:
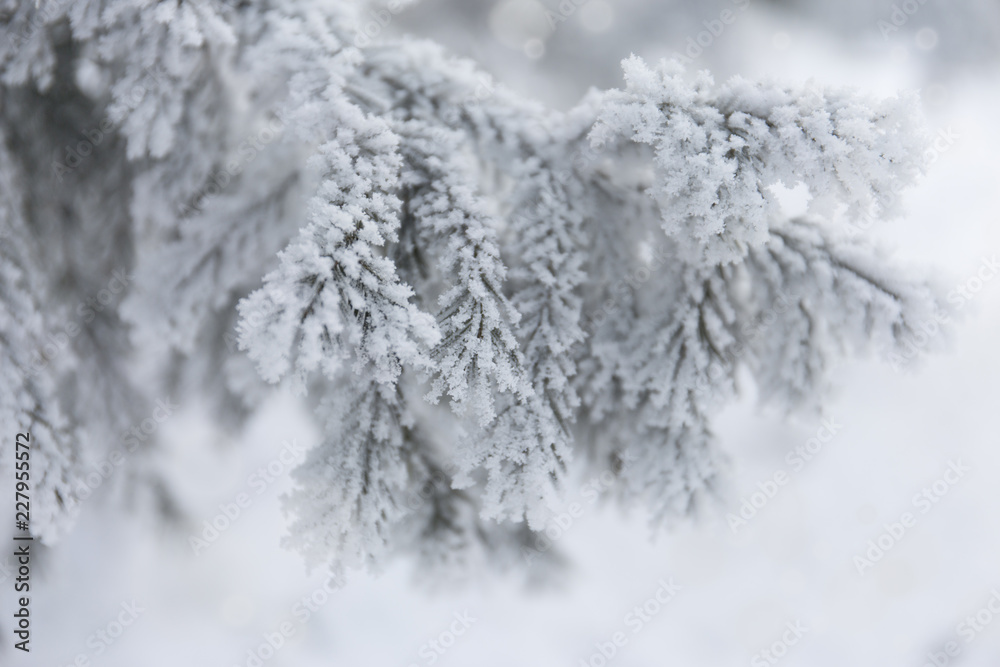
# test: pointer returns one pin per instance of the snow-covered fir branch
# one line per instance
(476, 293)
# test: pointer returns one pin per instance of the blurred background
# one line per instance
(793, 564)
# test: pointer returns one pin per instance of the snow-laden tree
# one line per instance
(201, 199)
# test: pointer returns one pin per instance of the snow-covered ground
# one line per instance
(793, 565)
